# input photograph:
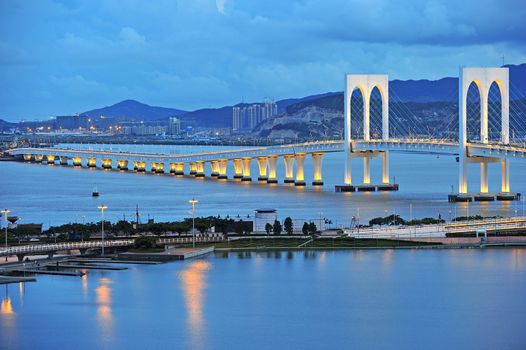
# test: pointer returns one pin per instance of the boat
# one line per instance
(95, 192)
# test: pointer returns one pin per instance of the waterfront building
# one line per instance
(263, 217)
(174, 126)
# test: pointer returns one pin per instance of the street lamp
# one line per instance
(193, 201)
(102, 207)
(5, 211)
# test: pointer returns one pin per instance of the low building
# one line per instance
(263, 217)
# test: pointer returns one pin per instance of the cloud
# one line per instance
(189, 54)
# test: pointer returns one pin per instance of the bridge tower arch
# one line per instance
(484, 78)
(366, 83)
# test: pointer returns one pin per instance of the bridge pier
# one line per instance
(63, 160)
(262, 165)
(317, 159)
(289, 168)
(214, 165)
(39, 158)
(122, 165)
(193, 168)
(272, 164)
(238, 168)
(50, 159)
(200, 167)
(246, 169)
(159, 168)
(77, 161)
(106, 163)
(385, 167)
(20, 257)
(141, 167)
(222, 164)
(92, 162)
(366, 170)
(27, 157)
(505, 173)
(300, 169)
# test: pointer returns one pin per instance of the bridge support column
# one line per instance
(92, 162)
(300, 169)
(238, 168)
(77, 161)
(215, 168)
(385, 167)
(39, 158)
(222, 164)
(366, 170)
(289, 168)
(272, 164)
(246, 169)
(141, 167)
(153, 167)
(179, 169)
(193, 168)
(20, 257)
(50, 159)
(106, 164)
(200, 169)
(27, 157)
(483, 177)
(122, 165)
(505, 170)
(63, 160)
(262, 165)
(317, 160)
(159, 168)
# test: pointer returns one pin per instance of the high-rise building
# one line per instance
(246, 118)
(174, 126)
(236, 119)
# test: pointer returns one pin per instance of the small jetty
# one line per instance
(167, 255)
(87, 266)
(50, 272)
(16, 279)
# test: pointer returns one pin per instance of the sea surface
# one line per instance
(54, 194)
(359, 299)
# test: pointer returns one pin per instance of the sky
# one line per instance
(66, 57)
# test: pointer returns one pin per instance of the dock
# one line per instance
(50, 272)
(168, 255)
(15, 279)
(109, 260)
(88, 266)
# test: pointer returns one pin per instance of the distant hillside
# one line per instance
(135, 110)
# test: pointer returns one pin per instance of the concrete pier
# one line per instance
(272, 164)
(200, 169)
(300, 169)
(317, 160)
(262, 166)
(246, 169)
(222, 164)
(289, 168)
(238, 168)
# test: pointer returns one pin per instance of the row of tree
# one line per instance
(288, 226)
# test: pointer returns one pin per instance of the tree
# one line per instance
(268, 228)
(305, 228)
(277, 227)
(312, 228)
(288, 225)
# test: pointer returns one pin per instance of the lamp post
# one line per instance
(193, 202)
(5, 211)
(102, 207)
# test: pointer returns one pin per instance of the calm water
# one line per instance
(374, 299)
(56, 194)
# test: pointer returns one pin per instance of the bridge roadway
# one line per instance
(403, 145)
(292, 154)
(37, 249)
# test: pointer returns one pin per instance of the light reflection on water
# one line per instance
(104, 311)
(194, 284)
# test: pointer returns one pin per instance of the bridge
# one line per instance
(365, 145)
(50, 249)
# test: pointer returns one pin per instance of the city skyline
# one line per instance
(96, 54)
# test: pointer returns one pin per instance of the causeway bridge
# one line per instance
(366, 146)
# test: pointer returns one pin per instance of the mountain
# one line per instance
(135, 110)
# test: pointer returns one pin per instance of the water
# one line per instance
(365, 299)
(51, 195)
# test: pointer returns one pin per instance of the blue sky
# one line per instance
(60, 58)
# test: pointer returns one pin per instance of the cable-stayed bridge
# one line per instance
(488, 128)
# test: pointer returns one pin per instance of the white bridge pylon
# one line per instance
(366, 84)
(483, 78)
